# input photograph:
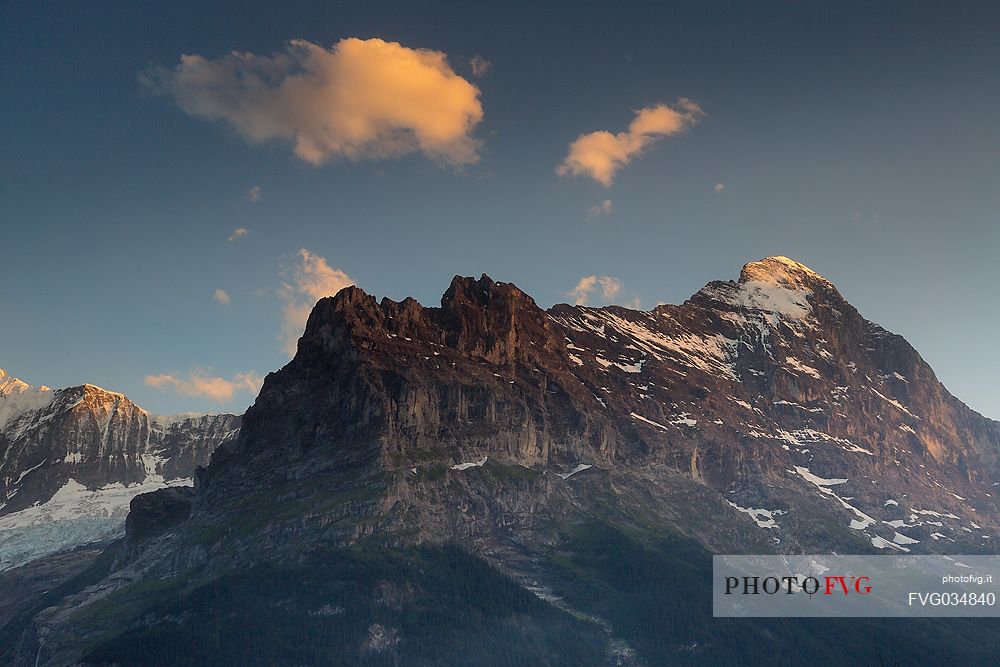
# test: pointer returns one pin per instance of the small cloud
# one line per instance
(604, 208)
(480, 66)
(866, 218)
(199, 384)
(601, 154)
(221, 295)
(238, 233)
(719, 187)
(312, 279)
(587, 286)
(253, 194)
(358, 99)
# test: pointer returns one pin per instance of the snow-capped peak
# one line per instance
(775, 286)
(9, 383)
(780, 270)
(98, 389)
(17, 397)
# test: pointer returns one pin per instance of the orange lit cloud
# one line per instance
(589, 285)
(311, 280)
(238, 233)
(606, 207)
(221, 295)
(601, 154)
(361, 98)
(199, 384)
(480, 66)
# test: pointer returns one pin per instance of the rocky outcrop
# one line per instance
(154, 513)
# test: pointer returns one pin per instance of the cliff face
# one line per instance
(760, 390)
(419, 381)
(764, 414)
(71, 459)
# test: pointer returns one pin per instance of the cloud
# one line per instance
(199, 384)
(588, 285)
(601, 154)
(361, 98)
(719, 187)
(221, 295)
(311, 280)
(480, 66)
(253, 194)
(604, 208)
(238, 233)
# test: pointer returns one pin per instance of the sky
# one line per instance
(180, 182)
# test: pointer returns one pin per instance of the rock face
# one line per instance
(763, 415)
(71, 459)
(153, 513)
(762, 390)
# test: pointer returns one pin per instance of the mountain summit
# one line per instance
(591, 457)
(782, 270)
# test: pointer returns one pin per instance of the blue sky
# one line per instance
(860, 140)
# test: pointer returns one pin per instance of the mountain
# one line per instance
(487, 482)
(72, 459)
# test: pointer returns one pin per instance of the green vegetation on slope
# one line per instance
(425, 606)
(658, 597)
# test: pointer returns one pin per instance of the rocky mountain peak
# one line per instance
(351, 306)
(10, 384)
(780, 270)
(18, 397)
(94, 389)
(72, 458)
(479, 317)
(777, 288)
(491, 319)
(484, 292)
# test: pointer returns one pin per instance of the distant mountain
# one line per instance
(491, 483)
(72, 459)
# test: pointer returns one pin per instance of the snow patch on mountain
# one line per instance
(882, 543)
(713, 354)
(776, 287)
(580, 468)
(74, 515)
(863, 521)
(465, 466)
(762, 517)
(805, 436)
(648, 421)
(817, 480)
